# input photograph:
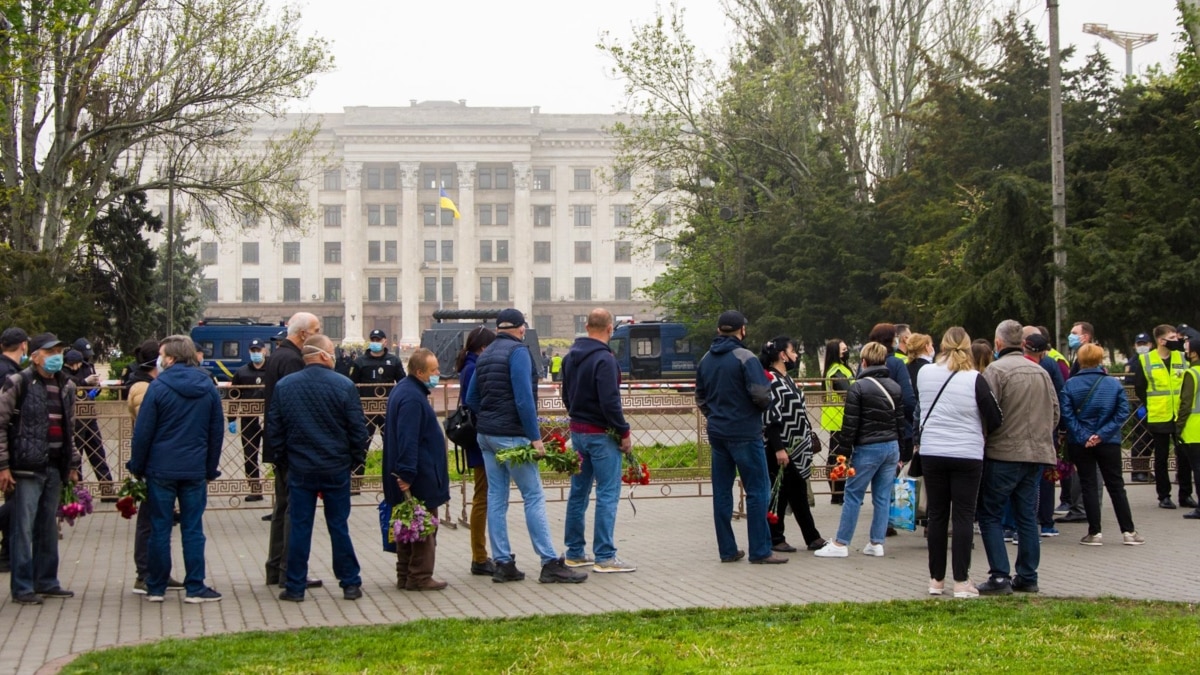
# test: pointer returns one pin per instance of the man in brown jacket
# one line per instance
(1015, 456)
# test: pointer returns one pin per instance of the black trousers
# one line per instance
(1106, 457)
(1183, 468)
(793, 492)
(952, 490)
(1192, 451)
(281, 524)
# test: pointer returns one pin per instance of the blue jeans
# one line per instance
(750, 460)
(529, 482)
(875, 466)
(302, 501)
(161, 496)
(602, 464)
(33, 550)
(1014, 483)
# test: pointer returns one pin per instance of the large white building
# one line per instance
(542, 226)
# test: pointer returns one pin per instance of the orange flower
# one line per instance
(850, 472)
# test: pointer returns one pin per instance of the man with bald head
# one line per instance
(285, 361)
(318, 433)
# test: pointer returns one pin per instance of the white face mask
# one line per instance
(161, 364)
(1143, 349)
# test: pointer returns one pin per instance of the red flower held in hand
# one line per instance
(772, 518)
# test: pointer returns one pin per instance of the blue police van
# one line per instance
(655, 350)
(226, 342)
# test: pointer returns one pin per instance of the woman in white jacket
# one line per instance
(957, 410)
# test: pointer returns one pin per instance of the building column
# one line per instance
(411, 253)
(466, 284)
(521, 252)
(352, 255)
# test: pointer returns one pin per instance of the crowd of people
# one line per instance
(991, 424)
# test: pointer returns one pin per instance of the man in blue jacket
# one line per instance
(414, 463)
(317, 431)
(732, 391)
(176, 446)
(591, 391)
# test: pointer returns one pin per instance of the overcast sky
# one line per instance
(542, 52)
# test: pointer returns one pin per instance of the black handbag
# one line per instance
(460, 427)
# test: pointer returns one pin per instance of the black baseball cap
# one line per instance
(11, 337)
(73, 356)
(510, 318)
(1142, 338)
(1037, 343)
(280, 336)
(44, 341)
(730, 320)
(378, 335)
(83, 347)
(256, 344)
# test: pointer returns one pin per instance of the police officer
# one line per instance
(251, 376)
(1188, 415)
(1159, 384)
(375, 372)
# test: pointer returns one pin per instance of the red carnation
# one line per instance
(772, 518)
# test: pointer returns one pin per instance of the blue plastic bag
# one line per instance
(385, 524)
(906, 499)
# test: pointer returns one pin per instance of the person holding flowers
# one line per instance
(503, 395)
(414, 465)
(591, 391)
(788, 437)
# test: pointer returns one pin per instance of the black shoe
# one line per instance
(1139, 477)
(735, 557)
(352, 592)
(783, 547)
(1074, 518)
(253, 498)
(266, 518)
(995, 586)
(486, 568)
(27, 599)
(816, 545)
(507, 572)
(108, 500)
(557, 572)
(1166, 503)
(59, 592)
(891, 531)
(308, 583)
(769, 560)
(1194, 515)
(1187, 502)
(1024, 586)
(288, 597)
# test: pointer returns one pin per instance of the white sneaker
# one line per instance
(613, 565)
(155, 598)
(936, 587)
(873, 549)
(1132, 539)
(832, 549)
(965, 589)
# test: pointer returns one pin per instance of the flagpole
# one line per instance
(438, 249)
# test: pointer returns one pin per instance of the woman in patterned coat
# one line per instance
(788, 440)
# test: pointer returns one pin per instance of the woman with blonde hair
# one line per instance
(920, 354)
(956, 413)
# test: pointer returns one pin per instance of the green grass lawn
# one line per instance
(1012, 634)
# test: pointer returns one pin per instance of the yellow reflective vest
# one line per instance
(1058, 356)
(833, 412)
(1191, 429)
(1163, 383)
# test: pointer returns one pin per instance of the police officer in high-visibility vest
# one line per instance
(1187, 418)
(1162, 376)
(903, 331)
(838, 378)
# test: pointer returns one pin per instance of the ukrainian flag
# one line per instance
(446, 203)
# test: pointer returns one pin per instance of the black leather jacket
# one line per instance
(870, 417)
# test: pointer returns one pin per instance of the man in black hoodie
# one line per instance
(591, 391)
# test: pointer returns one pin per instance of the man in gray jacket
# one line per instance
(1015, 456)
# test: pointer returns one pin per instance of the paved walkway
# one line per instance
(671, 540)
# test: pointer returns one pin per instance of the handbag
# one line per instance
(914, 465)
(460, 426)
(906, 502)
(385, 526)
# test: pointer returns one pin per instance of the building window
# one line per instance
(333, 327)
(374, 178)
(333, 216)
(389, 251)
(583, 179)
(447, 250)
(485, 214)
(291, 289)
(502, 250)
(447, 178)
(430, 289)
(389, 178)
(583, 251)
(485, 250)
(662, 251)
(373, 251)
(502, 214)
(502, 289)
(541, 216)
(291, 252)
(390, 292)
(541, 288)
(662, 217)
(430, 250)
(583, 216)
(485, 289)
(429, 214)
(333, 252)
(622, 215)
(447, 217)
(541, 179)
(333, 289)
(391, 216)
(374, 214)
(580, 323)
(543, 324)
(429, 179)
(583, 288)
(541, 251)
(623, 180)
(623, 251)
(483, 179)
(373, 289)
(249, 290)
(208, 253)
(624, 288)
(501, 182)
(447, 289)
(250, 253)
(208, 290)
(662, 179)
(333, 179)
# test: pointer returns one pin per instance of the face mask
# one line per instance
(1074, 341)
(995, 355)
(256, 358)
(160, 364)
(433, 381)
(1143, 349)
(53, 364)
(375, 347)
(1175, 345)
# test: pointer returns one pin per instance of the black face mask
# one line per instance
(1174, 345)
(789, 365)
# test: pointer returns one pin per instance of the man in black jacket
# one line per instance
(285, 361)
(251, 376)
(14, 342)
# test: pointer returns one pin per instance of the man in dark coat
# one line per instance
(14, 342)
(414, 463)
(317, 431)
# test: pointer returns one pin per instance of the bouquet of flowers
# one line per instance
(556, 456)
(75, 503)
(772, 518)
(636, 472)
(842, 470)
(132, 493)
(1061, 470)
(411, 521)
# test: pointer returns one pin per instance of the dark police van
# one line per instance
(449, 333)
(654, 351)
(226, 342)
